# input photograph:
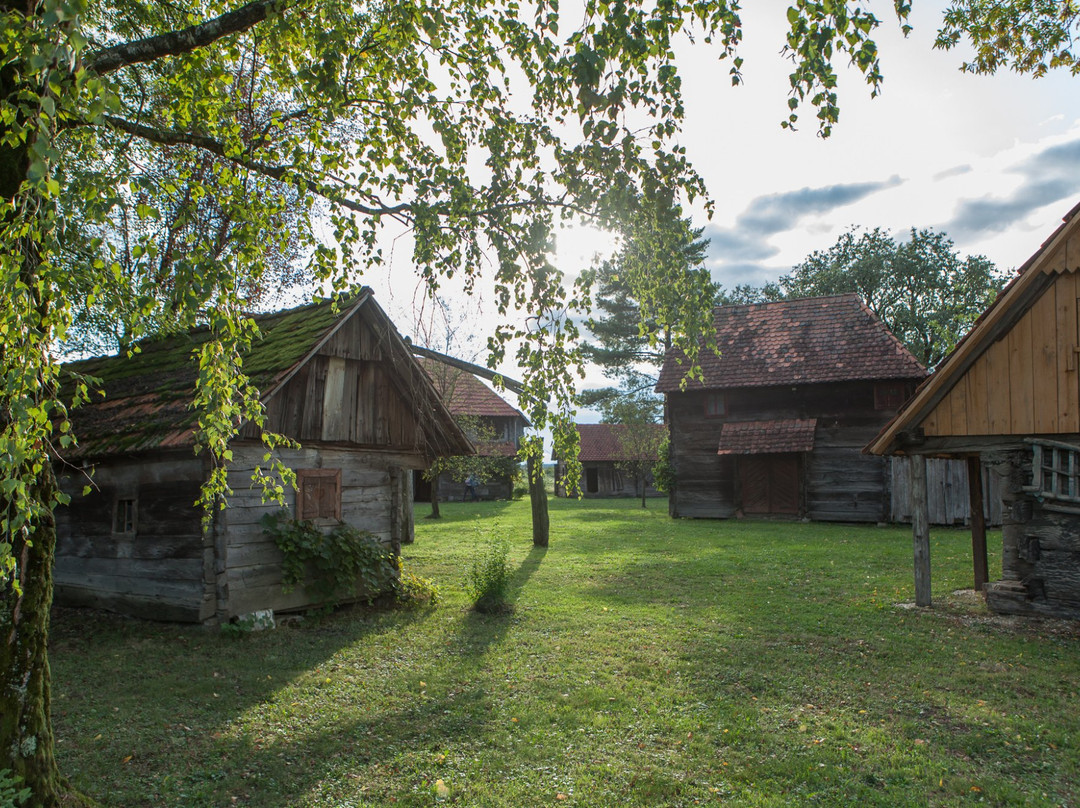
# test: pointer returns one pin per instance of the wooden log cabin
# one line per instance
(776, 424)
(608, 468)
(494, 426)
(1008, 397)
(338, 380)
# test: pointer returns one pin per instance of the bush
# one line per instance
(489, 578)
(414, 591)
(345, 561)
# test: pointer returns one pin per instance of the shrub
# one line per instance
(345, 561)
(489, 578)
(414, 591)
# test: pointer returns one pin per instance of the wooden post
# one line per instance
(408, 526)
(920, 530)
(978, 523)
(538, 496)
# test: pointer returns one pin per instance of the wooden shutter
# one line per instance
(318, 494)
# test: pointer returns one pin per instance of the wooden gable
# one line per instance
(1025, 382)
(1015, 373)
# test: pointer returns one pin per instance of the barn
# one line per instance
(776, 423)
(607, 465)
(1008, 398)
(337, 379)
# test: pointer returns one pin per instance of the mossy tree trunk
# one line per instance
(26, 735)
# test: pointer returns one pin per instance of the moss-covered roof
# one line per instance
(148, 395)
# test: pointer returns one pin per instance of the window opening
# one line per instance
(125, 516)
(1055, 471)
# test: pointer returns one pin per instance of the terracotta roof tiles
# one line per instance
(803, 341)
(767, 437)
(600, 442)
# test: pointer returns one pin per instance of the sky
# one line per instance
(994, 161)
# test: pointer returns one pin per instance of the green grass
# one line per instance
(647, 662)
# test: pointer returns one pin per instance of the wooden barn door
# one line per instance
(770, 484)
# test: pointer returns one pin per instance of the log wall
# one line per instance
(248, 567)
(163, 570)
(1040, 547)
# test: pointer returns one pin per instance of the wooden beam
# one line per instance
(978, 523)
(920, 530)
(512, 385)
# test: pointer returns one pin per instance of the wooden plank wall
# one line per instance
(947, 492)
(346, 393)
(842, 483)
(164, 571)
(249, 573)
(1027, 381)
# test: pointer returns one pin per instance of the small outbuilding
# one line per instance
(1008, 398)
(776, 423)
(616, 460)
(337, 379)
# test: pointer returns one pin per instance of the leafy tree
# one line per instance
(635, 299)
(639, 439)
(473, 123)
(744, 293)
(920, 288)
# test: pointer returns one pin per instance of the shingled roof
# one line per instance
(465, 394)
(602, 442)
(767, 437)
(148, 395)
(802, 341)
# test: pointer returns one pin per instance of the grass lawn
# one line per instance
(647, 662)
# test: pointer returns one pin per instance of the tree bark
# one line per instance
(26, 735)
(435, 499)
(538, 495)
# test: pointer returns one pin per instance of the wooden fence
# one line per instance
(946, 492)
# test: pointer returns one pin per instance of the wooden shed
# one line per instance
(776, 425)
(607, 469)
(1008, 397)
(338, 380)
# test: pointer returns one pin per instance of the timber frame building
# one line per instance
(1008, 398)
(337, 379)
(776, 424)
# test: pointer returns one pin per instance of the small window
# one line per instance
(890, 395)
(617, 481)
(1055, 471)
(715, 405)
(125, 516)
(318, 494)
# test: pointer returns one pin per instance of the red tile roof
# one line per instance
(496, 449)
(464, 393)
(601, 442)
(767, 437)
(804, 341)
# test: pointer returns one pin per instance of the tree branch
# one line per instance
(186, 40)
(284, 174)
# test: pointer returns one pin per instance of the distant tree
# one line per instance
(746, 293)
(921, 288)
(660, 261)
(639, 441)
